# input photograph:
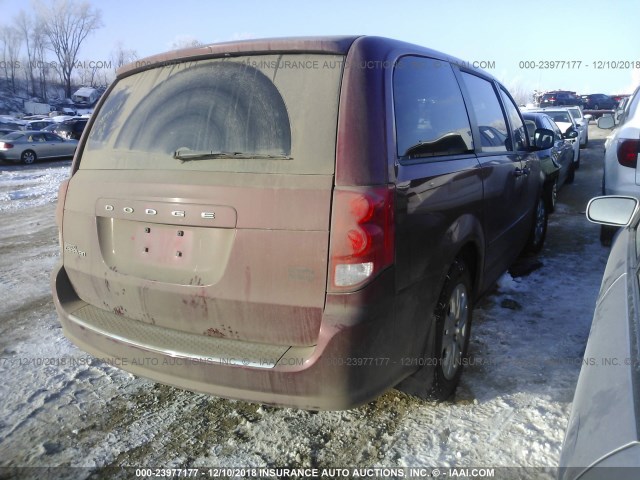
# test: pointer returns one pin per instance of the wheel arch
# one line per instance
(466, 235)
(470, 255)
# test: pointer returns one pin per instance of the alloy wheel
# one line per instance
(455, 331)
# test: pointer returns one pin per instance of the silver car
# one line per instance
(29, 146)
(582, 122)
(603, 432)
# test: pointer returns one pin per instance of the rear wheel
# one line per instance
(453, 323)
(28, 157)
(586, 139)
(551, 195)
(539, 228)
(572, 174)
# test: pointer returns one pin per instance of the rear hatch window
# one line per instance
(258, 114)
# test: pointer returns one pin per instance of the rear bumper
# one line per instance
(359, 352)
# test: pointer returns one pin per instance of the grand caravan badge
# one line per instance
(74, 249)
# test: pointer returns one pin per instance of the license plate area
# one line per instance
(164, 245)
(166, 253)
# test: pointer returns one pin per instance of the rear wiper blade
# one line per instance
(186, 155)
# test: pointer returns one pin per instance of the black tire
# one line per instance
(586, 140)
(577, 162)
(551, 194)
(538, 231)
(28, 157)
(453, 325)
(606, 235)
(571, 175)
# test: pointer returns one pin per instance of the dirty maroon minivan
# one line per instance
(303, 222)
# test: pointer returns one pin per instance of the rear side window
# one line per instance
(14, 136)
(431, 118)
(632, 105)
(550, 124)
(518, 132)
(562, 117)
(491, 122)
(78, 127)
(50, 137)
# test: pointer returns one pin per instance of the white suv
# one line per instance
(621, 174)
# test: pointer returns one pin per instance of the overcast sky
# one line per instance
(586, 34)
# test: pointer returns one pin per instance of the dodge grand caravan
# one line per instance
(303, 222)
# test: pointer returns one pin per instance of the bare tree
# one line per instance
(67, 23)
(42, 66)
(121, 56)
(520, 92)
(11, 43)
(25, 24)
(103, 77)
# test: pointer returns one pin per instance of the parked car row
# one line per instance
(562, 159)
(598, 101)
(559, 98)
(595, 101)
(557, 160)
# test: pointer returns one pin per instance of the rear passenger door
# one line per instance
(40, 145)
(528, 160)
(439, 182)
(55, 146)
(505, 174)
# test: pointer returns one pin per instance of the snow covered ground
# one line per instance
(61, 407)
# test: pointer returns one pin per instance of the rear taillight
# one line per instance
(628, 152)
(5, 145)
(362, 235)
